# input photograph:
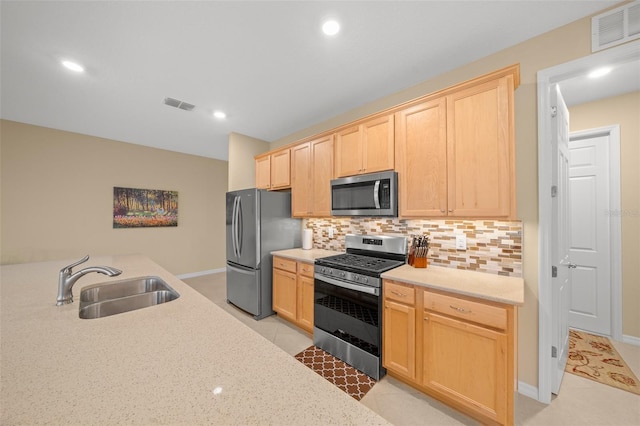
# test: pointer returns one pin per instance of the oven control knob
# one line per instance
(356, 277)
(365, 279)
(342, 274)
(322, 270)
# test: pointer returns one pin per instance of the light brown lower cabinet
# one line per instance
(457, 349)
(293, 291)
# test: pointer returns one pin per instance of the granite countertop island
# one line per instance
(183, 362)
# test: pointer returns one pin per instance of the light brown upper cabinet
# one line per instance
(421, 159)
(480, 150)
(281, 169)
(311, 174)
(263, 172)
(273, 170)
(365, 148)
(455, 154)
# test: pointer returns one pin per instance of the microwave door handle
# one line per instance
(376, 194)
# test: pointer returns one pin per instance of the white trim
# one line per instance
(615, 221)
(546, 77)
(527, 390)
(201, 273)
(632, 340)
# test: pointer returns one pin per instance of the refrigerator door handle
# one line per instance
(233, 227)
(240, 227)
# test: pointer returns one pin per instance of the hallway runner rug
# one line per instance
(352, 381)
(595, 358)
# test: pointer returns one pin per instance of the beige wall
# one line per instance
(57, 199)
(242, 149)
(564, 44)
(625, 111)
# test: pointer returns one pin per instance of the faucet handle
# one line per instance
(73, 265)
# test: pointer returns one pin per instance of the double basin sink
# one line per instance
(102, 300)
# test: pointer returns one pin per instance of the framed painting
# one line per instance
(144, 208)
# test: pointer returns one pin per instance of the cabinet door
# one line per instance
(421, 159)
(281, 169)
(466, 363)
(348, 152)
(305, 302)
(301, 195)
(399, 339)
(481, 181)
(322, 173)
(263, 172)
(378, 144)
(284, 294)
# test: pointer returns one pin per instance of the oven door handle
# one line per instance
(361, 288)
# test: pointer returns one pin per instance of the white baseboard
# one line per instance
(201, 273)
(632, 340)
(527, 390)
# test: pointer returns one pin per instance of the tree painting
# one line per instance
(139, 208)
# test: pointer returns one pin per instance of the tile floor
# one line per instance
(580, 402)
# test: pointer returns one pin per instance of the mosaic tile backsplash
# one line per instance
(492, 246)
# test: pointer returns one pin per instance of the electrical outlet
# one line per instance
(461, 242)
(331, 232)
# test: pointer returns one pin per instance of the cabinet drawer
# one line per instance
(284, 264)
(305, 269)
(477, 312)
(400, 293)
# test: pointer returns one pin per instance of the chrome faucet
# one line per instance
(67, 279)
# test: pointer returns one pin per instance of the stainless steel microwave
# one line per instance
(373, 194)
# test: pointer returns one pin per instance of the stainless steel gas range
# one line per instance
(348, 302)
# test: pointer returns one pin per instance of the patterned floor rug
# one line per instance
(345, 377)
(595, 358)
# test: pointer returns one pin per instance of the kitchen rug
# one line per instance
(595, 358)
(352, 381)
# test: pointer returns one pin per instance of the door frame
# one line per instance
(546, 78)
(615, 222)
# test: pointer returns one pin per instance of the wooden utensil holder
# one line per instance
(419, 262)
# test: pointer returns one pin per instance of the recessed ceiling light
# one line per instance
(73, 66)
(599, 72)
(219, 114)
(331, 27)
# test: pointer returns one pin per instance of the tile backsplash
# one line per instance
(492, 246)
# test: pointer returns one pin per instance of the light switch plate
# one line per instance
(330, 232)
(461, 242)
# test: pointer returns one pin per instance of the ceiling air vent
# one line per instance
(178, 104)
(615, 26)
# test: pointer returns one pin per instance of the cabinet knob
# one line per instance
(450, 210)
(442, 210)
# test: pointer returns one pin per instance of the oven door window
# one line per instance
(349, 315)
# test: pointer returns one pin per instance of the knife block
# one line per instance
(420, 262)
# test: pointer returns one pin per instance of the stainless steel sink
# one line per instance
(102, 300)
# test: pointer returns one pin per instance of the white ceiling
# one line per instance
(265, 63)
(623, 78)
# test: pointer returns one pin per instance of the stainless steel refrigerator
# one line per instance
(258, 222)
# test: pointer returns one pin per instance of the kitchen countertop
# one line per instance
(155, 365)
(308, 256)
(483, 285)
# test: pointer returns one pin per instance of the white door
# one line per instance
(561, 235)
(590, 306)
